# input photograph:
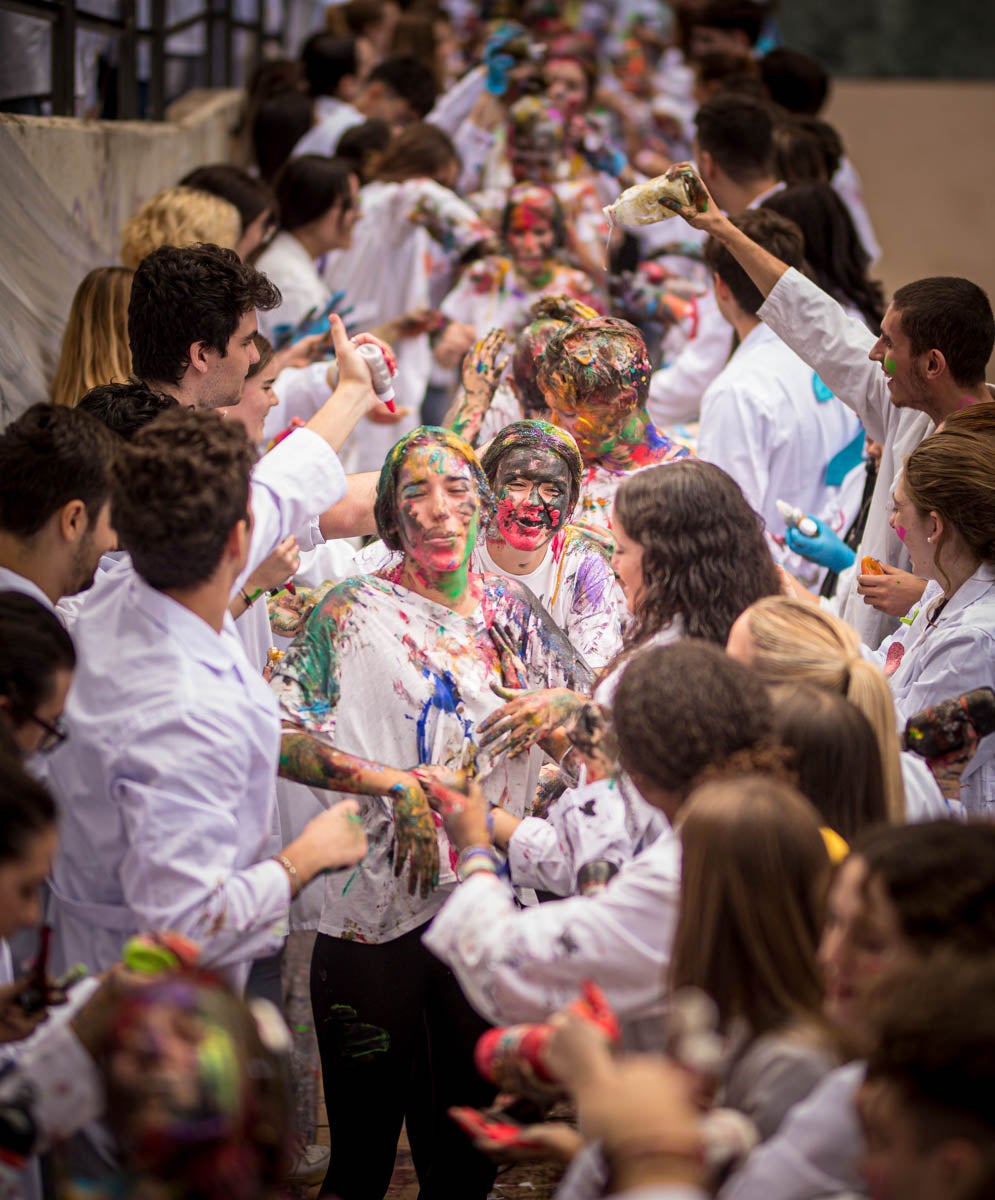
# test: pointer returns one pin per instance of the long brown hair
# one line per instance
(753, 887)
(95, 342)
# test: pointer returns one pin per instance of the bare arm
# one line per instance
(354, 396)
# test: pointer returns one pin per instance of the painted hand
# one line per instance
(550, 788)
(514, 673)
(894, 592)
(702, 212)
(525, 719)
(288, 614)
(15, 1023)
(481, 369)
(590, 731)
(460, 802)
(823, 547)
(415, 840)
(274, 571)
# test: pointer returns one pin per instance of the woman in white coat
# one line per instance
(316, 198)
(944, 513)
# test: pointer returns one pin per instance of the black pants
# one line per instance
(396, 1038)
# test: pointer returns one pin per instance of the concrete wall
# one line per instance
(68, 187)
(925, 151)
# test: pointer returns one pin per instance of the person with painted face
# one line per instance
(498, 291)
(929, 362)
(535, 143)
(393, 672)
(595, 378)
(534, 470)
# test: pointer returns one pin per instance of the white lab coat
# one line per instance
(332, 118)
(953, 654)
(768, 421)
(293, 270)
(836, 346)
(166, 781)
(522, 964)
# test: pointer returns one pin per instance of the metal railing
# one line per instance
(66, 19)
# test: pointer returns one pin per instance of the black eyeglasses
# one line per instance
(55, 733)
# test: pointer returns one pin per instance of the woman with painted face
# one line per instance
(393, 671)
(497, 292)
(907, 895)
(534, 471)
(690, 555)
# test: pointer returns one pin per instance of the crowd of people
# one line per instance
(435, 599)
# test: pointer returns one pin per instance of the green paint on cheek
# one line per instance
(890, 365)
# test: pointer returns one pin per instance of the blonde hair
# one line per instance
(95, 346)
(748, 933)
(796, 642)
(179, 216)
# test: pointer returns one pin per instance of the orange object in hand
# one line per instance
(870, 566)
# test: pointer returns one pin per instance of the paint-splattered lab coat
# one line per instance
(387, 675)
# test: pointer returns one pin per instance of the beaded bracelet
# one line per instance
(477, 858)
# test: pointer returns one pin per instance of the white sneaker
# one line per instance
(311, 1165)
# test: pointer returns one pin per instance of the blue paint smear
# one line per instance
(445, 699)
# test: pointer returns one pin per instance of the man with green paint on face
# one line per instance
(928, 362)
(394, 672)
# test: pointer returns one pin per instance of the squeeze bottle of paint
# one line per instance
(942, 728)
(383, 383)
(806, 526)
(515, 1055)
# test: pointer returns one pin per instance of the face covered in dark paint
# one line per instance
(533, 490)
(438, 509)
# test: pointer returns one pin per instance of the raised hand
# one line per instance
(590, 731)
(514, 673)
(481, 369)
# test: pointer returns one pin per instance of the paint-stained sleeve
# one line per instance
(306, 680)
(593, 625)
(550, 658)
(518, 964)
(587, 824)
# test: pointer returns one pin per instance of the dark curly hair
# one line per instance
(704, 554)
(125, 407)
(183, 296)
(180, 487)
(684, 710)
(385, 507)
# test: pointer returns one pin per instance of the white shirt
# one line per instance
(523, 964)
(390, 676)
(333, 118)
(293, 270)
(576, 585)
(770, 423)
(676, 389)
(836, 345)
(946, 655)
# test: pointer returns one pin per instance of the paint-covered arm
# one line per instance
(522, 964)
(587, 824)
(480, 376)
